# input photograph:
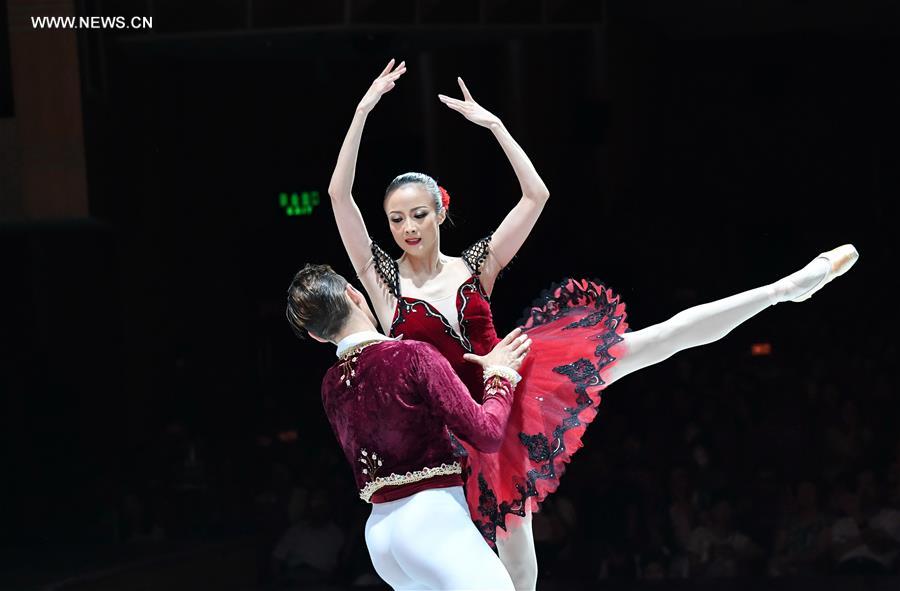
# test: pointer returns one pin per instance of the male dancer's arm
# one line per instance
(481, 425)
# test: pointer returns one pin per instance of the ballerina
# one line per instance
(408, 472)
(578, 329)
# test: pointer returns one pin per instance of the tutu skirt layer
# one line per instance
(575, 328)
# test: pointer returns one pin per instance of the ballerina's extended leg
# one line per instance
(710, 322)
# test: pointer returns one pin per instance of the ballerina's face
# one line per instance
(414, 220)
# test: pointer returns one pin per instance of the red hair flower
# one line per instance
(445, 197)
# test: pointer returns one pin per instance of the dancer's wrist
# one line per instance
(502, 371)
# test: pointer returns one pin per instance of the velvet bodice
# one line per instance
(418, 320)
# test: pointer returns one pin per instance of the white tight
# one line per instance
(428, 541)
(708, 322)
(689, 328)
(641, 348)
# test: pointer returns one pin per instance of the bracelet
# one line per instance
(501, 371)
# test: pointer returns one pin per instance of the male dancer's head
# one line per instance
(323, 305)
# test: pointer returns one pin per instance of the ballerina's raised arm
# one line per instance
(351, 225)
(516, 226)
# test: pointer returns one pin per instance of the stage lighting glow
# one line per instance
(759, 349)
(298, 204)
(287, 436)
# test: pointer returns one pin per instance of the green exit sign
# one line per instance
(294, 204)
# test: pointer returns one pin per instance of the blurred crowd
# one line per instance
(712, 465)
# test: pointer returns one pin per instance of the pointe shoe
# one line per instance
(840, 259)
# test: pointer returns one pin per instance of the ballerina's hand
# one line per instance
(384, 83)
(510, 352)
(469, 108)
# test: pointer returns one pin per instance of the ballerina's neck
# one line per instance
(425, 267)
(437, 285)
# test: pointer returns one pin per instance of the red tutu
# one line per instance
(574, 327)
(574, 331)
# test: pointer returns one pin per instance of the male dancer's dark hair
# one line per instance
(317, 302)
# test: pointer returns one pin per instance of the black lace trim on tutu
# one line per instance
(548, 308)
(582, 373)
(496, 514)
(458, 450)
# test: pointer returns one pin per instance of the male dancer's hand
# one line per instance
(510, 352)
(383, 84)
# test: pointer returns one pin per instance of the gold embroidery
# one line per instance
(349, 359)
(496, 386)
(394, 479)
(501, 371)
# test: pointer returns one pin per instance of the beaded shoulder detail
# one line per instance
(475, 255)
(395, 479)
(387, 269)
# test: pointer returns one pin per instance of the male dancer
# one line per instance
(391, 403)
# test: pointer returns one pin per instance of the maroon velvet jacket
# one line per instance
(392, 419)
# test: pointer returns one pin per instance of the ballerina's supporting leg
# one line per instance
(517, 553)
(710, 322)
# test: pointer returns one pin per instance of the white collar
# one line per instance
(352, 340)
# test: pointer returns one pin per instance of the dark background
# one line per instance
(692, 150)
